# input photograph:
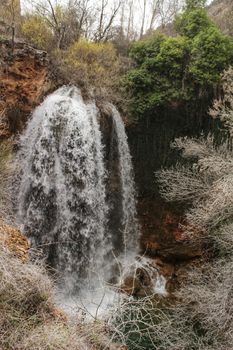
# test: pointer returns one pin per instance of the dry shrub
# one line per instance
(182, 184)
(28, 318)
(145, 323)
(208, 298)
(204, 314)
(206, 184)
(6, 172)
(93, 66)
(216, 207)
(35, 30)
(223, 107)
(222, 239)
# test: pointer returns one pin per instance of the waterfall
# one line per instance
(129, 222)
(62, 199)
(63, 207)
(65, 200)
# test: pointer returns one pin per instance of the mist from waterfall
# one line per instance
(63, 206)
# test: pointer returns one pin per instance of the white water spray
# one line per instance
(62, 194)
(130, 225)
(63, 206)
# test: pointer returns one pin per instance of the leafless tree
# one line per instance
(68, 22)
(207, 185)
(153, 10)
(167, 9)
(106, 17)
(130, 19)
(52, 12)
(11, 10)
(143, 18)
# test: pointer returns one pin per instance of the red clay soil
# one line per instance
(23, 82)
(163, 230)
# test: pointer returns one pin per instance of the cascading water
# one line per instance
(64, 208)
(62, 193)
(130, 227)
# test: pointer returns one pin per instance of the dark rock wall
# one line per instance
(150, 141)
(161, 232)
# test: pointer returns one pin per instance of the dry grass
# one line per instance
(6, 172)
(199, 318)
(28, 318)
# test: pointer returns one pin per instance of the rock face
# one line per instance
(149, 142)
(221, 12)
(24, 80)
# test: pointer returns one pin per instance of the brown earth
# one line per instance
(14, 240)
(163, 232)
(24, 80)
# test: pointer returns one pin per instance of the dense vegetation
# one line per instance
(92, 49)
(181, 68)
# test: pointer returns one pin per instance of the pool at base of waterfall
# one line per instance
(98, 299)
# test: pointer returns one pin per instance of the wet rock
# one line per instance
(180, 252)
(145, 278)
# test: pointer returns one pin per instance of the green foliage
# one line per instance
(36, 30)
(142, 50)
(191, 4)
(170, 70)
(160, 76)
(192, 22)
(211, 53)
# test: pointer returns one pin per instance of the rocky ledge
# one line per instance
(24, 79)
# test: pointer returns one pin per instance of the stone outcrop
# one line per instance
(24, 80)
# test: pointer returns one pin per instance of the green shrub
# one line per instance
(192, 22)
(170, 70)
(211, 53)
